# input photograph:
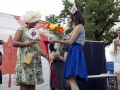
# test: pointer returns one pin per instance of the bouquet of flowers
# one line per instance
(58, 31)
(54, 32)
(55, 28)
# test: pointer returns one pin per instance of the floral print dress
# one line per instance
(28, 74)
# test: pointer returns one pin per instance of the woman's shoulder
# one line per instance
(79, 27)
(115, 39)
(22, 28)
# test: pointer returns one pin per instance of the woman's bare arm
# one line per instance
(64, 57)
(43, 54)
(75, 34)
(17, 38)
(52, 55)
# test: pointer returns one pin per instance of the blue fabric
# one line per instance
(75, 63)
(110, 66)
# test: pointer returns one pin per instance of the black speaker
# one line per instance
(94, 53)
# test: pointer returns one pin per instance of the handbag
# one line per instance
(28, 58)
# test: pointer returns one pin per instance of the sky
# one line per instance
(45, 7)
(19, 7)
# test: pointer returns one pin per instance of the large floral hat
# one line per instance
(31, 16)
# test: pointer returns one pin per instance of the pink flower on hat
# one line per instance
(73, 9)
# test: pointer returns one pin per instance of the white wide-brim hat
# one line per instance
(31, 16)
(116, 27)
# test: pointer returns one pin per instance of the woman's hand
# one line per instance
(30, 43)
(57, 54)
(116, 43)
(52, 41)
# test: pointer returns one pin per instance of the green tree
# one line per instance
(100, 16)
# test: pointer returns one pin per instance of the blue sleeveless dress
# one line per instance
(75, 63)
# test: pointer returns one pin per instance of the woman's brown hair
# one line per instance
(77, 18)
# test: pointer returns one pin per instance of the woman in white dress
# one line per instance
(115, 53)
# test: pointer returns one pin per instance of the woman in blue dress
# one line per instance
(75, 67)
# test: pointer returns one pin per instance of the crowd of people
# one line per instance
(67, 65)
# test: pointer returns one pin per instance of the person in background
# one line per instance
(75, 67)
(27, 76)
(115, 53)
(1, 43)
(52, 52)
(0, 69)
(57, 66)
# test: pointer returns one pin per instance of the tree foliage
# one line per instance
(100, 16)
